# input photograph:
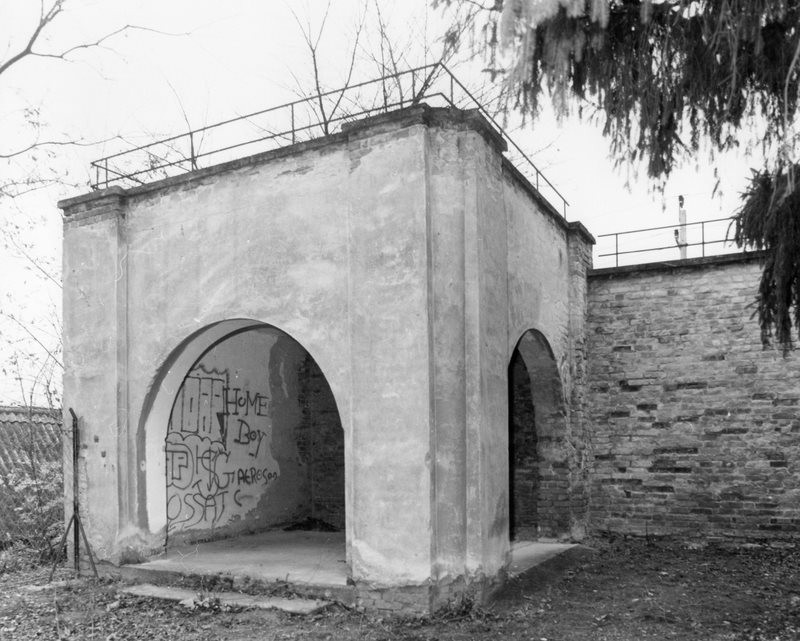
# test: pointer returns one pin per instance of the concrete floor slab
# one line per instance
(299, 558)
(528, 554)
(234, 599)
(311, 563)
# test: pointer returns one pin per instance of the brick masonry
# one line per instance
(696, 428)
(321, 445)
(523, 454)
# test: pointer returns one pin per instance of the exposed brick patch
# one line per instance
(548, 459)
(523, 454)
(320, 441)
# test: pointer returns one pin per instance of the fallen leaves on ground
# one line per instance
(625, 590)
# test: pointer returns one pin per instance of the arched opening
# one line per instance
(537, 443)
(251, 451)
(523, 458)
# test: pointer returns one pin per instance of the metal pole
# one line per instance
(293, 134)
(191, 151)
(76, 533)
(616, 250)
(703, 238)
(397, 77)
(681, 228)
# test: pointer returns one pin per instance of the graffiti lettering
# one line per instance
(191, 458)
(246, 436)
(254, 476)
(207, 457)
(201, 391)
(237, 400)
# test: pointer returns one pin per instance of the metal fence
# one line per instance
(657, 244)
(303, 120)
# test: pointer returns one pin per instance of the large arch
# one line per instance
(163, 446)
(539, 457)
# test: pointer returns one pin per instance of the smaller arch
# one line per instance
(539, 455)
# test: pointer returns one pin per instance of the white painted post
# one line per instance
(681, 231)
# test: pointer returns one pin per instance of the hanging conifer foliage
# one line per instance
(770, 219)
(667, 77)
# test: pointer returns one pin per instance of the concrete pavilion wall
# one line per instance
(696, 430)
(390, 253)
(547, 272)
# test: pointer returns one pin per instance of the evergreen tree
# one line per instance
(668, 76)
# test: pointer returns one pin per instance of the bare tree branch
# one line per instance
(33, 336)
(34, 262)
(48, 16)
(326, 117)
(192, 151)
(17, 188)
(45, 18)
(312, 48)
(51, 143)
(101, 41)
(352, 62)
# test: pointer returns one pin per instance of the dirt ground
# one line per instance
(619, 590)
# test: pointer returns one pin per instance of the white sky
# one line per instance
(235, 57)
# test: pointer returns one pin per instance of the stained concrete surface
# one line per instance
(300, 558)
(528, 554)
(303, 559)
(192, 599)
(388, 253)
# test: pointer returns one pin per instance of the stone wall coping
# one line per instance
(578, 228)
(688, 263)
(423, 114)
(420, 114)
(398, 119)
(114, 191)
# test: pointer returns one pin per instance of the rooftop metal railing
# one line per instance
(302, 120)
(658, 244)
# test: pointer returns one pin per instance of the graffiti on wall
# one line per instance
(217, 451)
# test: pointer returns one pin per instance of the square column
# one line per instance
(95, 362)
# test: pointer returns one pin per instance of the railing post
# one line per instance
(430, 81)
(703, 238)
(616, 250)
(192, 156)
(399, 88)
